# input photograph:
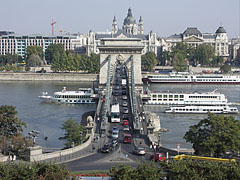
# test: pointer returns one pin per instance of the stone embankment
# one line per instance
(48, 77)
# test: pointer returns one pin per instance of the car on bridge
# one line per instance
(114, 134)
(127, 138)
(125, 116)
(126, 128)
(125, 122)
(124, 103)
(139, 151)
(157, 157)
(125, 110)
(124, 97)
(106, 148)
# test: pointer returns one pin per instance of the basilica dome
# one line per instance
(129, 19)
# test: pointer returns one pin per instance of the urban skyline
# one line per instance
(160, 17)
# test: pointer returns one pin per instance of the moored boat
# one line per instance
(192, 78)
(82, 96)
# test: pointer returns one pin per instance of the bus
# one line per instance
(201, 158)
(115, 113)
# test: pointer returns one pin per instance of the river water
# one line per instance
(44, 117)
(178, 124)
(48, 117)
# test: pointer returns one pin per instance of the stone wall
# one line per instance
(48, 77)
(58, 154)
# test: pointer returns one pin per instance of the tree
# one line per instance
(56, 63)
(189, 169)
(215, 135)
(204, 54)
(95, 60)
(36, 170)
(179, 62)
(36, 50)
(34, 60)
(74, 133)
(219, 60)
(51, 50)
(225, 68)
(144, 170)
(149, 61)
(237, 59)
(164, 57)
(10, 125)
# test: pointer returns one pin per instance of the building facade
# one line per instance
(194, 37)
(16, 44)
(130, 29)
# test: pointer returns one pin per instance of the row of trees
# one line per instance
(176, 170)
(25, 171)
(182, 54)
(63, 61)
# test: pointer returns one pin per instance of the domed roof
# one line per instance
(129, 19)
(221, 30)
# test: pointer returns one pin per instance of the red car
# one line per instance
(125, 122)
(157, 157)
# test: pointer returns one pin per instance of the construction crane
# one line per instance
(52, 24)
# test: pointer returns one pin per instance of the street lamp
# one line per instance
(34, 134)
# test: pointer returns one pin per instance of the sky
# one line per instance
(164, 17)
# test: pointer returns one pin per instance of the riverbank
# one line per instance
(48, 77)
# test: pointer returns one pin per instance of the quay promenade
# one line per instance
(78, 77)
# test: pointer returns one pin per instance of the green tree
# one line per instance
(36, 170)
(189, 169)
(10, 125)
(10, 128)
(51, 50)
(149, 61)
(34, 60)
(164, 57)
(84, 62)
(204, 54)
(70, 62)
(237, 59)
(77, 60)
(225, 68)
(36, 50)
(144, 170)
(179, 62)
(74, 133)
(219, 60)
(95, 60)
(215, 135)
(56, 63)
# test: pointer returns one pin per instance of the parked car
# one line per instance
(125, 122)
(139, 151)
(157, 157)
(106, 148)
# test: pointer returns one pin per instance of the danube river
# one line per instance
(48, 117)
(44, 117)
(178, 124)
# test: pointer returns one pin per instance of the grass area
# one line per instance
(91, 172)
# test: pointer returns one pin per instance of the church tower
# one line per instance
(129, 24)
(114, 26)
(140, 26)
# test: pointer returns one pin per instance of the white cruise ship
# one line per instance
(192, 78)
(185, 98)
(221, 109)
(82, 96)
(183, 102)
